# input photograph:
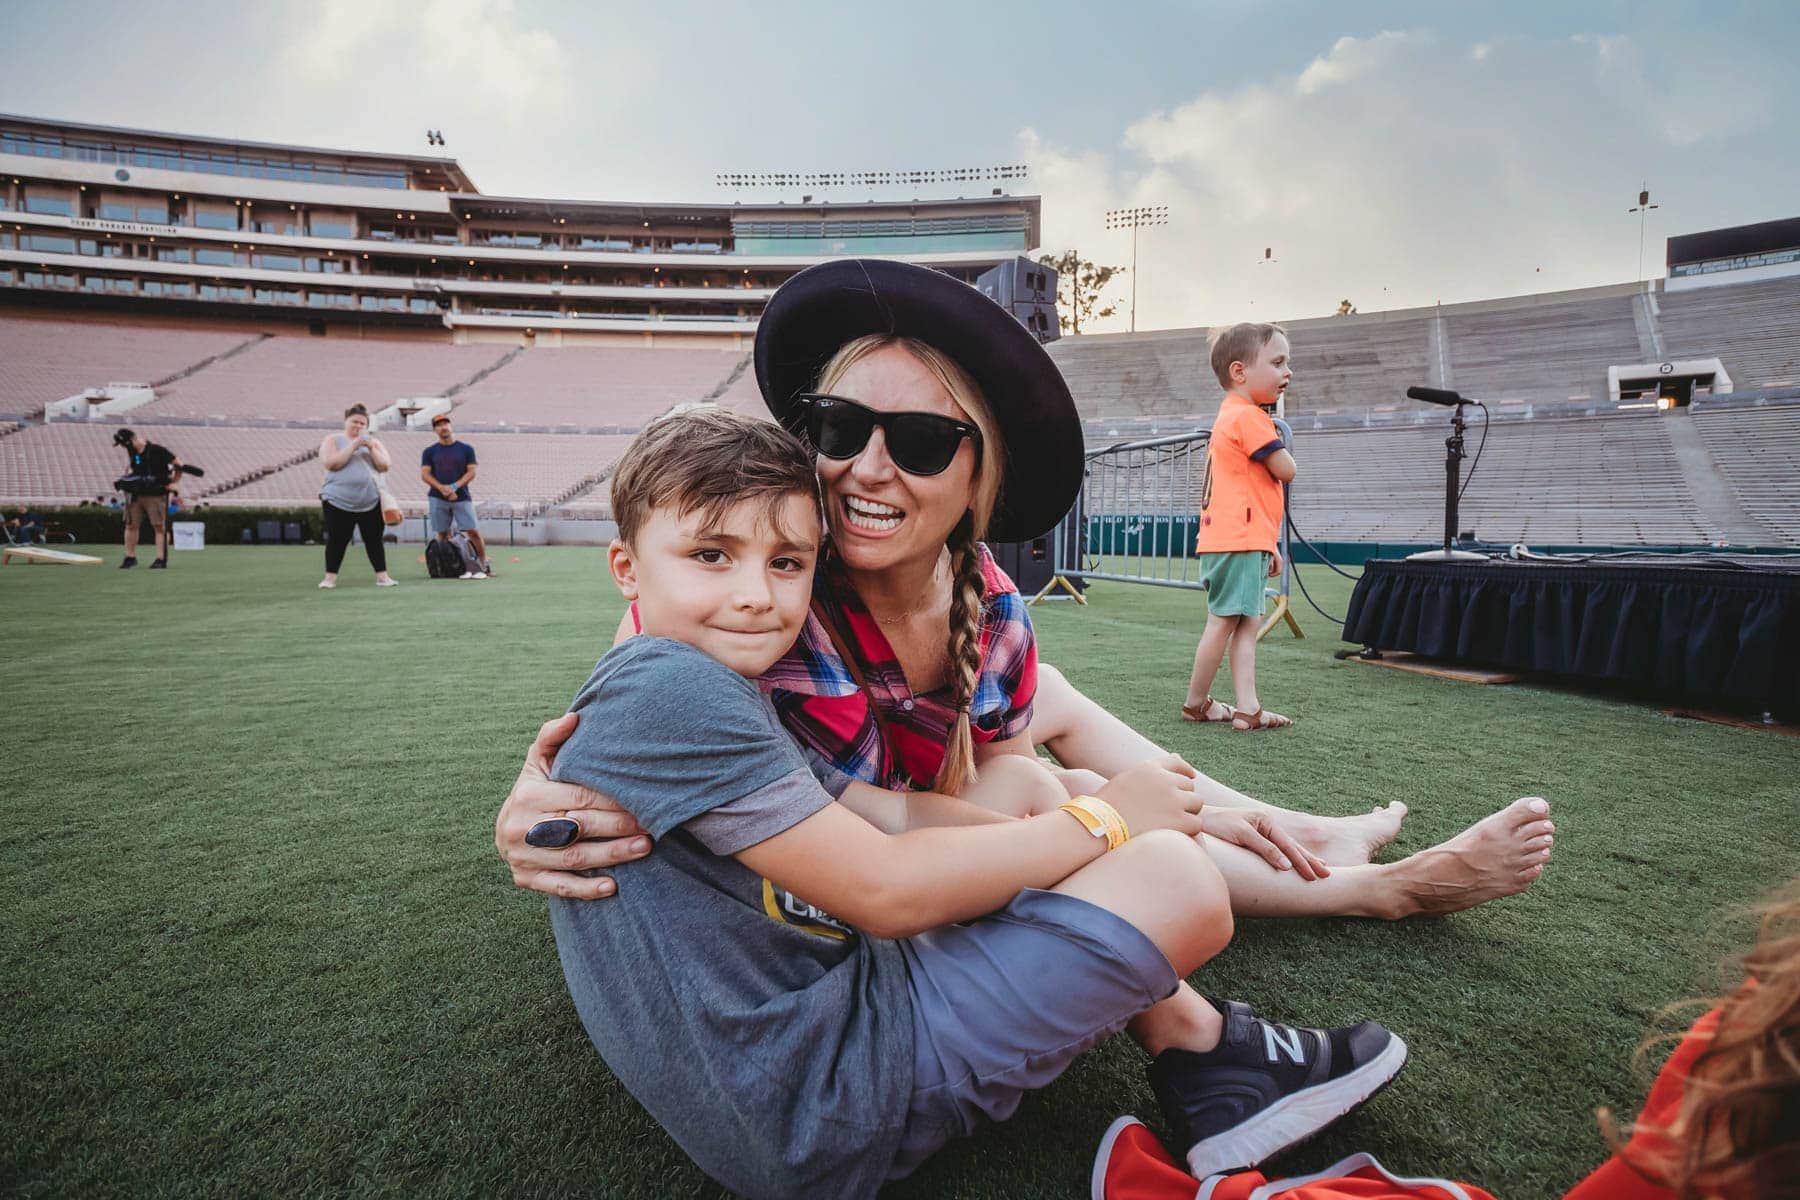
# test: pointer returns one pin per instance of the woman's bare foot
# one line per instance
(1497, 856)
(1352, 841)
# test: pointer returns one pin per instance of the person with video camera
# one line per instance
(154, 470)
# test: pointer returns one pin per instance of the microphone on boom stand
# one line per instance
(1453, 456)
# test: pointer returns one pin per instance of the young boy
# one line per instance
(1240, 520)
(784, 984)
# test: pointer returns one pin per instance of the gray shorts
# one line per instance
(1002, 1005)
(443, 510)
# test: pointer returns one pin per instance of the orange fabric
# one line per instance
(1135, 1166)
(1614, 1179)
(1240, 504)
(1140, 1169)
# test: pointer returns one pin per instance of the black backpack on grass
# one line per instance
(465, 549)
(443, 560)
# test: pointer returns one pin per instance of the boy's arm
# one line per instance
(1281, 465)
(899, 812)
(898, 885)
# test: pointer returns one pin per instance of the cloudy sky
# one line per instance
(1393, 154)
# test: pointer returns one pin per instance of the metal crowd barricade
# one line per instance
(1138, 517)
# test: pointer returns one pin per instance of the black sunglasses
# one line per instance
(919, 443)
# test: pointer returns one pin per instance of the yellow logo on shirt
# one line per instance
(783, 906)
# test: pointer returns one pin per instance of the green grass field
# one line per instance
(256, 940)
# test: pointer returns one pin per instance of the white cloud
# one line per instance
(1397, 170)
(479, 43)
(513, 99)
(1355, 58)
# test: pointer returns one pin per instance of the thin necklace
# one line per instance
(930, 595)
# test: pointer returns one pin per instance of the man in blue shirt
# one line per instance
(447, 467)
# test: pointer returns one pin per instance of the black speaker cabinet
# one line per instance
(1028, 291)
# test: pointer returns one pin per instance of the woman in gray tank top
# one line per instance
(351, 495)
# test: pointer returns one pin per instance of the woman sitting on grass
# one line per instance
(891, 700)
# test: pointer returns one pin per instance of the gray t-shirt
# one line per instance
(355, 486)
(773, 1042)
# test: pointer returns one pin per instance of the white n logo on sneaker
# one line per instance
(1279, 1041)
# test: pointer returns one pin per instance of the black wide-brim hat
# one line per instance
(825, 307)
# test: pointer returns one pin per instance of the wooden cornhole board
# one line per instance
(1401, 660)
(38, 554)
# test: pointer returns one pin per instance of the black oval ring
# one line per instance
(552, 833)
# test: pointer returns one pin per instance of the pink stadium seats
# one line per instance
(530, 469)
(315, 379)
(742, 394)
(67, 462)
(594, 386)
(43, 361)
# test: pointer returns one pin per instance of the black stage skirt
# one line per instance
(1700, 629)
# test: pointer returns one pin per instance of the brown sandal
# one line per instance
(1259, 720)
(1197, 714)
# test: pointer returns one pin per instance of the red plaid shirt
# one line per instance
(821, 706)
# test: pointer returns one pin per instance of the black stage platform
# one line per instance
(1699, 629)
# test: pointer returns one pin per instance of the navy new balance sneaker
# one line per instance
(1267, 1087)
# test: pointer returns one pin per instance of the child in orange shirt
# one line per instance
(1240, 519)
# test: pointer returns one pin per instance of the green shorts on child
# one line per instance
(1234, 582)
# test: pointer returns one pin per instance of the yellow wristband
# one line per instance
(1100, 819)
(1092, 823)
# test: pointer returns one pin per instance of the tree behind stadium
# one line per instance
(1078, 287)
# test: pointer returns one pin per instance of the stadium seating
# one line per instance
(1757, 450)
(741, 394)
(1138, 374)
(1751, 327)
(316, 379)
(43, 361)
(586, 387)
(67, 462)
(1593, 481)
(1530, 351)
(1344, 364)
(525, 469)
(1553, 473)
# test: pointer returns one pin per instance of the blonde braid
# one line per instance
(966, 590)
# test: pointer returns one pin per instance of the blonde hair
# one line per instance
(1242, 342)
(709, 460)
(1732, 1135)
(967, 585)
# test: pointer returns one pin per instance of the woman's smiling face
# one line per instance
(880, 516)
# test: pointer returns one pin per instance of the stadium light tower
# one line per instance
(1643, 211)
(1134, 219)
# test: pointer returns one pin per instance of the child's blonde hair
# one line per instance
(1242, 342)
